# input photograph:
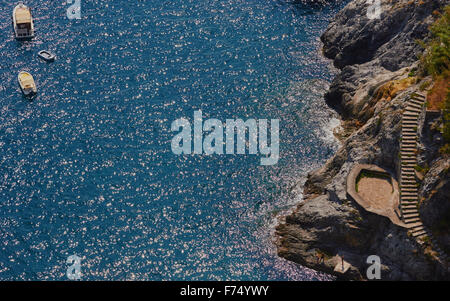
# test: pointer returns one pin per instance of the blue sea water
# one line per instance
(86, 168)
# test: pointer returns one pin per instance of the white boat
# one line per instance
(27, 84)
(23, 22)
(46, 55)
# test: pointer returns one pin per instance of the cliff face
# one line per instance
(377, 59)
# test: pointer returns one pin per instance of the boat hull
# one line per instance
(27, 84)
(23, 30)
(46, 56)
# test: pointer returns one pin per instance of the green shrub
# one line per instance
(436, 61)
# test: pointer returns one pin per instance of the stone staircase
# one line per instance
(409, 187)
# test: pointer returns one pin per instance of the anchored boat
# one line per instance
(46, 55)
(27, 84)
(23, 22)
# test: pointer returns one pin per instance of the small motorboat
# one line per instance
(27, 84)
(23, 22)
(46, 55)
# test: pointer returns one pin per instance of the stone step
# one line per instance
(409, 143)
(409, 128)
(411, 113)
(409, 208)
(417, 97)
(405, 190)
(409, 131)
(408, 169)
(408, 194)
(415, 105)
(407, 211)
(411, 215)
(409, 165)
(406, 202)
(409, 186)
(412, 119)
(409, 161)
(408, 181)
(409, 124)
(419, 234)
(410, 108)
(417, 229)
(412, 220)
(408, 152)
(408, 199)
(409, 137)
(406, 138)
(407, 156)
(408, 175)
(409, 204)
(409, 134)
(409, 149)
(409, 120)
(415, 226)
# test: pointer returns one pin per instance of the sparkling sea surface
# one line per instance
(86, 168)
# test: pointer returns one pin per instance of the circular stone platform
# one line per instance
(376, 190)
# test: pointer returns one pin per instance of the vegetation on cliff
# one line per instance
(437, 58)
(435, 62)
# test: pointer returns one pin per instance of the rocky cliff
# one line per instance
(378, 59)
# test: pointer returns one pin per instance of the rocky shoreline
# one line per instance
(377, 59)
